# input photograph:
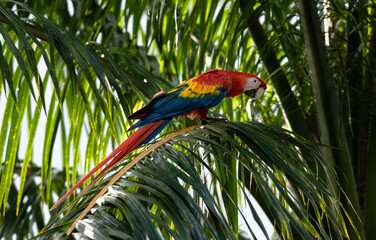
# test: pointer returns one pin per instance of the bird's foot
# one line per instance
(211, 120)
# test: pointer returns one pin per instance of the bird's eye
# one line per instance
(254, 80)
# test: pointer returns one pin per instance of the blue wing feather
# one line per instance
(188, 96)
(171, 105)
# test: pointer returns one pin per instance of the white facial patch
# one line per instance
(252, 88)
(252, 83)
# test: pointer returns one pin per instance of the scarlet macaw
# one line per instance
(192, 98)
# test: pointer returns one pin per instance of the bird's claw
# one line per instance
(211, 120)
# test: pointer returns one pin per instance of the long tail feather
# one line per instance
(141, 136)
(153, 129)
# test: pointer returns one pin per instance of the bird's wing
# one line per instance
(205, 90)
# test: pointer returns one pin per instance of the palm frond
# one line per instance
(166, 195)
(79, 75)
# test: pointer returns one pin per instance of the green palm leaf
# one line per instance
(79, 74)
(165, 194)
(72, 54)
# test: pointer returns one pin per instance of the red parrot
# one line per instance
(192, 98)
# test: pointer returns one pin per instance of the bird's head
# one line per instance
(246, 83)
(254, 87)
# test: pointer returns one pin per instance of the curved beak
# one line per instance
(255, 93)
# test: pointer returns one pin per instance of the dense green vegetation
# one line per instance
(72, 71)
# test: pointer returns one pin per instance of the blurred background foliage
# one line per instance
(72, 71)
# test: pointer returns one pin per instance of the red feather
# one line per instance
(131, 143)
(193, 97)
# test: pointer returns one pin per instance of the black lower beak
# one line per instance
(251, 93)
